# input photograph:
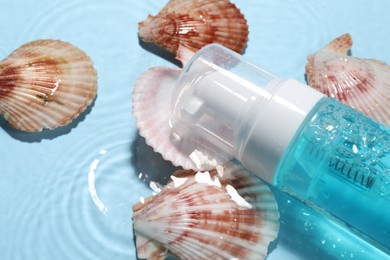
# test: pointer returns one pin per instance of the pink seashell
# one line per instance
(45, 84)
(151, 109)
(363, 84)
(195, 24)
(184, 54)
(222, 214)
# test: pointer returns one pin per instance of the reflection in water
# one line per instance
(91, 184)
(177, 182)
(152, 169)
(204, 177)
(311, 235)
(237, 197)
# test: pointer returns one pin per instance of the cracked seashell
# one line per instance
(196, 24)
(363, 84)
(45, 84)
(222, 214)
(151, 109)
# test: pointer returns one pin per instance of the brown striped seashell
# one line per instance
(363, 84)
(45, 84)
(195, 24)
(222, 214)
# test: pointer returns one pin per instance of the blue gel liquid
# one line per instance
(339, 161)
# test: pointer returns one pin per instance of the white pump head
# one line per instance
(239, 109)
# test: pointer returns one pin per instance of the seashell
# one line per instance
(223, 214)
(184, 54)
(363, 84)
(45, 84)
(151, 109)
(195, 24)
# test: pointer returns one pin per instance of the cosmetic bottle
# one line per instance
(316, 149)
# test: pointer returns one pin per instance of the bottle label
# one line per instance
(339, 161)
(356, 147)
(340, 141)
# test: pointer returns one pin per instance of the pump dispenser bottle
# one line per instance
(315, 148)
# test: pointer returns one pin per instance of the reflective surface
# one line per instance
(67, 193)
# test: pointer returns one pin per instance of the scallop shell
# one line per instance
(151, 109)
(222, 214)
(363, 84)
(45, 84)
(184, 54)
(195, 24)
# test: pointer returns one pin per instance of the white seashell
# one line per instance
(195, 24)
(45, 84)
(224, 214)
(152, 111)
(363, 84)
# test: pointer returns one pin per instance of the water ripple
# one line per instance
(83, 205)
(91, 183)
(279, 50)
(71, 196)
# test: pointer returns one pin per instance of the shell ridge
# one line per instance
(360, 83)
(196, 24)
(7, 114)
(193, 226)
(149, 249)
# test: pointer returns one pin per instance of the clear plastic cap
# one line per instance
(236, 108)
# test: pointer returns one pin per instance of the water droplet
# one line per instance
(155, 187)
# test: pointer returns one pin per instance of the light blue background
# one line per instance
(47, 210)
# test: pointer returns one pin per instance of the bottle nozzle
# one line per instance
(221, 99)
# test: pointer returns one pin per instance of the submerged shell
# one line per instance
(363, 84)
(224, 214)
(195, 24)
(151, 109)
(45, 84)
